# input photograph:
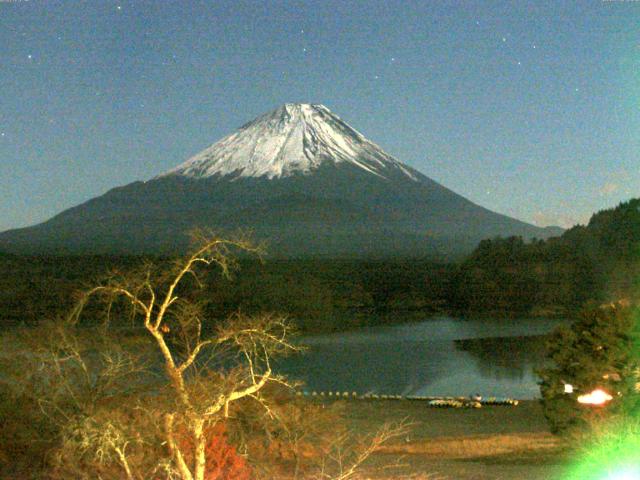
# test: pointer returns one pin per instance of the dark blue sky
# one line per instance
(528, 109)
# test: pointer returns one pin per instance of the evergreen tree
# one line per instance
(599, 350)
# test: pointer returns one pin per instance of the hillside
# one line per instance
(597, 262)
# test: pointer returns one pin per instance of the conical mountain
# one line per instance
(300, 178)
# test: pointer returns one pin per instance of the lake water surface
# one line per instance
(441, 356)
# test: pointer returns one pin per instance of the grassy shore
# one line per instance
(461, 444)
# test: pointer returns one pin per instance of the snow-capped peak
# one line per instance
(294, 138)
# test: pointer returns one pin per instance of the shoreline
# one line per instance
(489, 443)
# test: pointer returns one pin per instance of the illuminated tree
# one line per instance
(238, 353)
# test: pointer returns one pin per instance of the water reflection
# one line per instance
(505, 357)
(445, 356)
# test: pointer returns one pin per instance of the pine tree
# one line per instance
(599, 350)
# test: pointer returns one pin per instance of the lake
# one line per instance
(441, 356)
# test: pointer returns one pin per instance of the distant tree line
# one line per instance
(317, 294)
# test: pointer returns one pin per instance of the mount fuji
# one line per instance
(299, 177)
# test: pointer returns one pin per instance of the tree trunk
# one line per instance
(175, 449)
(199, 453)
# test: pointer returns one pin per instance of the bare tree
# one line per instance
(176, 325)
(67, 380)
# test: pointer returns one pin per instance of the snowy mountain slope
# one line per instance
(300, 178)
(295, 138)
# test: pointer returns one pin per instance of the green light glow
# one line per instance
(614, 454)
(632, 473)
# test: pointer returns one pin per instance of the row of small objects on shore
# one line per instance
(436, 402)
